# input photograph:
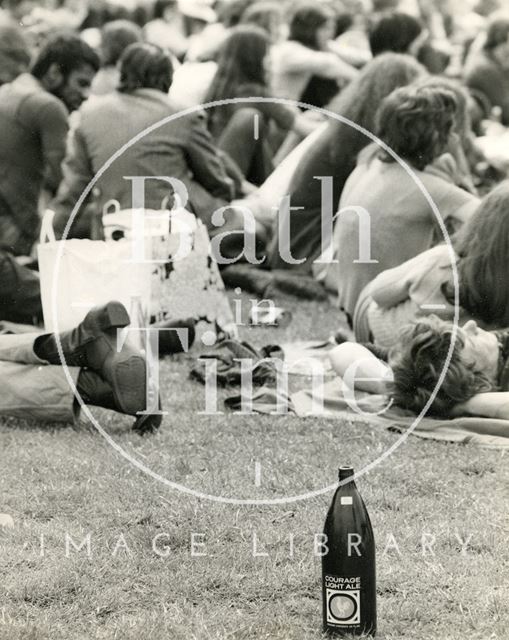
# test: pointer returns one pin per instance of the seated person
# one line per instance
(334, 154)
(243, 71)
(398, 296)
(308, 53)
(415, 123)
(34, 113)
(182, 149)
(403, 33)
(476, 381)
(487, 73)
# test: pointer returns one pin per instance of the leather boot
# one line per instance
(97, 392)
(93, 344)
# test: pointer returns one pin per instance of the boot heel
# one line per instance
(113, 315)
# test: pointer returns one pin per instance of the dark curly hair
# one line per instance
(393, 31)
(145, 66)
(415, 122)
(305, 21)
(69, 52)
(417, 362)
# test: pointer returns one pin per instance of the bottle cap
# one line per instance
(345, 472)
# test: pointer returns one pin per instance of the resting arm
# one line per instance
(325, 64)
(391, 287)
(488, 405)
(370, 373)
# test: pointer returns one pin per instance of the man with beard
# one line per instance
(34, 111)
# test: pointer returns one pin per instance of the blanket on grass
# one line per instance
(332, 400)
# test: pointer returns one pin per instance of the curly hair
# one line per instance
(417, 362)
(69, 52)
(416, 122)
(145, 66)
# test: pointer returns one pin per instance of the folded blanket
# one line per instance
(329, 402)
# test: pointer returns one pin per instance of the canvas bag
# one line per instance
(185, 281)
(90, 273)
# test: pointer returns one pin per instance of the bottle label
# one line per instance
(343, 598)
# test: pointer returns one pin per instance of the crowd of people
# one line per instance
(341, 106)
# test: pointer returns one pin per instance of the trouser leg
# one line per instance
(32, 389)
(37, 392)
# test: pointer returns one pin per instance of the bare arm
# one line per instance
(351, 360)
(488, 405)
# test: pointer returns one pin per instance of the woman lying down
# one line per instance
(476, 382)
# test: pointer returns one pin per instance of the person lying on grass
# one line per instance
(35, 385)
(476, 382)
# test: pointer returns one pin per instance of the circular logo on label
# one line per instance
(342, 607)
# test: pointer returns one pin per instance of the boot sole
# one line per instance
(129, 384)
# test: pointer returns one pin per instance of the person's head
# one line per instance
(266, 15)
(66, 67)
(312, 25)
(415, 123)
(242, 60)
(497, 39)
(463, 125)
(163, 9)
(145, 66)
(396, 32)
(422, 352)
(483, 249)
(116, 36)
(230, 12)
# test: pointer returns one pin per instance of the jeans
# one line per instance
(32, 389)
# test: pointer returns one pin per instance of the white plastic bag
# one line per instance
(90, 273)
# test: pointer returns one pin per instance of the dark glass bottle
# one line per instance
(348, 568)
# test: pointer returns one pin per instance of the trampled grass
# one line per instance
(143, 578)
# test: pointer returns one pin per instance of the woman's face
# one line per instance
(481, 348)
(325, 33)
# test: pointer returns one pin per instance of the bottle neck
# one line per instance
(345, 473)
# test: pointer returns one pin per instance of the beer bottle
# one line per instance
(348, 567)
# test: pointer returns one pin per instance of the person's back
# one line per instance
(391, 204)
(402, 223)
(28, 116)
(334, 154)
(114, 128)
(110, 122)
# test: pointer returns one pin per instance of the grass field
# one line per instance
(67, 483)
